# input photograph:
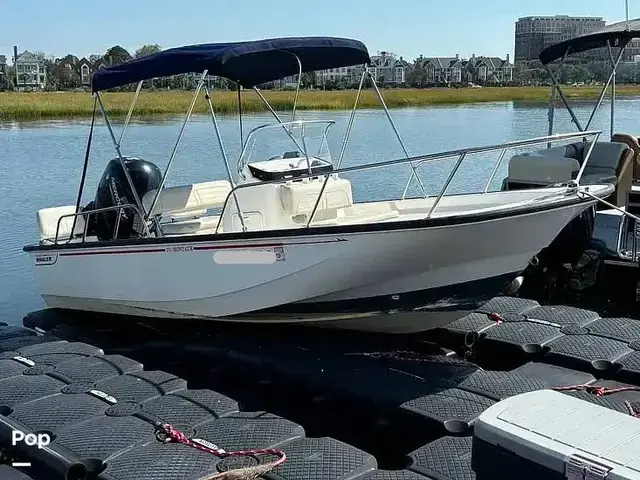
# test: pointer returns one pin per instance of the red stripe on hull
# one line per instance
(203, 247)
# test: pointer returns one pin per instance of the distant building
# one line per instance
(439, 70)
(388, 68)
(487, 70)
(534, 34)
(454, 70)
(30, 71)
(385, 68)
(335, 75)
(632, 51)
(3, 69)
(87, 67)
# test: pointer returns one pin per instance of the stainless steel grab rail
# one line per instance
(99, 210)
(422, 159)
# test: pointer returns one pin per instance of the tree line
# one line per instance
(64, 73)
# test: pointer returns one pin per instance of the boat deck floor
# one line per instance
(342, 406)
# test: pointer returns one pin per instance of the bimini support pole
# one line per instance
(136, 198)
(224, 154)
(347, 132)
(552, 102)
(84, 169)
(393, 126)
(277, 117)
(175, 147)
(552, 109)
(295, 99)
(614, 66)
(557, 87)
(131, 107)
(240, 114)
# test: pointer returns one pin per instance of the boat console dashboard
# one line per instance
(289, 166)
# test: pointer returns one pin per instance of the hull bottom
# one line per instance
(395, 313)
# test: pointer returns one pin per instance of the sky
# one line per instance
(407, 28)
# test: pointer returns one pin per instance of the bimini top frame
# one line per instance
(617, 35)
(249, 64)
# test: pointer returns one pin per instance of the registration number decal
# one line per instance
(250, 256)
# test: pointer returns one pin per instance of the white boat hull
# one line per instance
(209, 279)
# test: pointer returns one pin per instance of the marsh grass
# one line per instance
(43, 105)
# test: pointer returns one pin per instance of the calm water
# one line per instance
(41, 162)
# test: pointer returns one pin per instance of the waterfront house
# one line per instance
(342, 75)
(441, 70)
(3, 70)
(488, 70)
(386, 68)
(456, 71)
(86, 67)
(286, 82)
(30, 71)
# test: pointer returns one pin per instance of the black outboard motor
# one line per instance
(114, 189)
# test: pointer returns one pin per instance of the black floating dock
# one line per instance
(342, 406)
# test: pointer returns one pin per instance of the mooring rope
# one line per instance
(168, 433)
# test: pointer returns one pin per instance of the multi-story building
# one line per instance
(534, 34)
(454, 70)
(86, 68)
(388, 68)
(3, 69)
(30, 71)
(385, 68)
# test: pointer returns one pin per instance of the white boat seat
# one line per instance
(48, 223)
(299, 198)
(188, 201)
(367, 213)
(360, 213)
(190, 227)
(542, 170)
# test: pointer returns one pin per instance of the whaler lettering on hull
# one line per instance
(46, 259)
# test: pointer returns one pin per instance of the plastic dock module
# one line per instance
(412, 404)
(448, 458)
(73, 411)
(507, 332)
(545, 434)
(10, 473)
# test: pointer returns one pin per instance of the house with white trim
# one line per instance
(3, 69)
(489, 70)
(388, 68)
(87, 67)
(442, 70)
(31, 72)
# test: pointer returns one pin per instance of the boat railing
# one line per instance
(288, 127)
(461, 154)
(88, 213)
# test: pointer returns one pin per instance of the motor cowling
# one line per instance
(115, 189)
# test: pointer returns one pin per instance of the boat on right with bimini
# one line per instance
(611, 229)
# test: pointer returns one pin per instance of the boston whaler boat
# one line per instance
(286, 239)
